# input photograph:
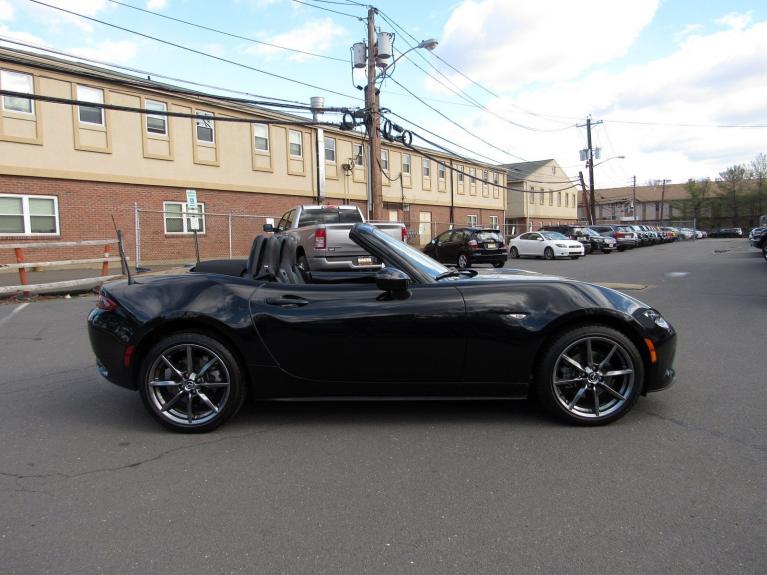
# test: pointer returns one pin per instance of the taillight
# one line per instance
(320, 239)
(620, 235)
(473, 245)
(106, 303)
(404, 234)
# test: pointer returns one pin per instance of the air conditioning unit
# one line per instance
(405, 207)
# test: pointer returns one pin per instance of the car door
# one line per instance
(537, 244)
(357, 333)
(523, 244)
(432, 248)
(452, 247)
(442, 247)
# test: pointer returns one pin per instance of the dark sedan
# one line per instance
(194, 345)
(466, 246)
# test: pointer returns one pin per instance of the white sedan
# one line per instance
(548, 245)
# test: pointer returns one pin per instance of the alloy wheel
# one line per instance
(188, 384)
(548, 253)
(593, 377)
(463, 261)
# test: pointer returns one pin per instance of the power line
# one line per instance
(330, 10)
(194, 50)
(148, 83)
(225, 33)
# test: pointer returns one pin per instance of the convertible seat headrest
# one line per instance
(256, 256)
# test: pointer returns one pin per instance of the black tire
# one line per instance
(463, 261)
(578, 387)
(303, 262)
(622, 248)
(514, 252)
(498, 264)
(548, 254)
(221, 384)
(764, 250)
(607, 251)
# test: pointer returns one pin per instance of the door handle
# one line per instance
(287, 301)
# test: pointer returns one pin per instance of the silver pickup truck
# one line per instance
(322, 235)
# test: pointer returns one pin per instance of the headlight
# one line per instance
(561, 245)
(657, 318)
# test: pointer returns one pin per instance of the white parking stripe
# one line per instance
(13, 313)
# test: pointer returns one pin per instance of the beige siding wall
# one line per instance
(555, 202)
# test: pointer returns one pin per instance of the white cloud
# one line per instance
(117, 52)
(715, 78)
(22, 37)
(55, 18)
(505, 44)
(317, 36)
(736, 20)
(156, 5)
(6, 10)
(687, 31)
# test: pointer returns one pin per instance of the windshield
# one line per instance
(488, 237)
(329, 216)
(553, 236)
(589, 232)
(417, 258)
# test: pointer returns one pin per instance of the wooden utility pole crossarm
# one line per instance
(371, 103)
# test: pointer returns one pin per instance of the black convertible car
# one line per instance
(194, 345)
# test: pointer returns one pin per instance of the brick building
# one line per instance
(71, 172)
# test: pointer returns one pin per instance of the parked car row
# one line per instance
(758, 238)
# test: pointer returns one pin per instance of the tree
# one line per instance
(759, 176)
(731, 181)
(698, 190)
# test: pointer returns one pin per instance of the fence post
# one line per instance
(105, 263)
(22, 271)
(137, 231)
(230, 235)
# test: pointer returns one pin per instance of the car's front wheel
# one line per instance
(548, 254)
(591, 375)
(190, 382)
(514, 252)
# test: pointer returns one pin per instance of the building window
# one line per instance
(205, 128)
(426, 168)
(178, 219)
(471, 219)
(330, 150)
(296, 144)
(551, 198)
(261, 135)
(460, 174)
(575, 204)
(27, 215)
(359, 155)
(17, 82)
(494, 222)
(484, 180)
(385, 160)
(496, 178)
(441, 171)
(540, 197)
(567, 200)
(156, 123)
(559, 198)
(405, 163)
(553, 170)
(90, 114)
(472, 176)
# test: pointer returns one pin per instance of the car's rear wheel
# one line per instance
(498, 264)
(303, 262)
(463, 261)
(622, 248)
(548, 254)
(591, 375)
(514, 252)
(190, 382)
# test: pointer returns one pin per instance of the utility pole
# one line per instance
(587, 209)
(590, 164)
(371, 103)
(662, 197)
(634, 200)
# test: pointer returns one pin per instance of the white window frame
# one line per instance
(27, 217)
(406, 164)
(185, 217)
(559, 199)
(541, 199)
(471, 220)
(331, 149)
(484, 180)
(494, 221)
(30, 90)
(300, 143)
(359, 155)
(84, 98)
(441, 172)
(256, 127)
(460, 174)
(201, 122)
(162, 117)
(385, 160)
(426, 167)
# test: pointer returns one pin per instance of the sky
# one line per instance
(663, 76)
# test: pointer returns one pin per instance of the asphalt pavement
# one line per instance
(89, 483)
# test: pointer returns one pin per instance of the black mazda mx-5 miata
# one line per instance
(195, 344)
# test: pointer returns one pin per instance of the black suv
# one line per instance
(466, 246)
(590, 239)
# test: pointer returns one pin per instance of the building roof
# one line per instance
(521, 170)
(649, 193)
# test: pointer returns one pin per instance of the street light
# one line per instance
(607, 160)
(429, 45)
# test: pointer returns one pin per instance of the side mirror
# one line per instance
(269, 228)
(392, 280)
(540, 239)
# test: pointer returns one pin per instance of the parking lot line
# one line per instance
(13, 313)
